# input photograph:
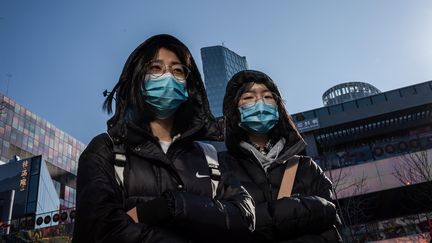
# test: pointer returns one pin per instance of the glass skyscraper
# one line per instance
(219, 65)
(24, 134)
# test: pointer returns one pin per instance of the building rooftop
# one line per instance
(362, 108)
(348, 91)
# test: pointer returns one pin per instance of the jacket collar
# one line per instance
(287, 152)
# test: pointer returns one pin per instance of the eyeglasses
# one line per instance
(158, 68)
(251, 98)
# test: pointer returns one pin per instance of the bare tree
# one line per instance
(416, 168)
(347, 187)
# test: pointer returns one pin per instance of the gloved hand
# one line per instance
(156, 211)
(298, 214)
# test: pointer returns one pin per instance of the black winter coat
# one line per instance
(306, 216)
(101, 209)
(174, 179)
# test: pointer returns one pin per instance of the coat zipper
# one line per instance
(270, 187)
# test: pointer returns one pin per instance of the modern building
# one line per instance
(219, 65)
(377, 149)
(26, 135)
(26, 190)
(348, 91)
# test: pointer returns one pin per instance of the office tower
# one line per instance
(219, 65)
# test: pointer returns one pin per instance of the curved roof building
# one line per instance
(348, 91)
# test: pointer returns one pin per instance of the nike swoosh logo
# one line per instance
(201, 176)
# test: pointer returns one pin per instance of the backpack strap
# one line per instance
(209, 151)
(119, 163)
(288, 177)
(119, 152)
(212, 160)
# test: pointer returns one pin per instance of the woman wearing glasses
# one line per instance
(146, 180)
(262, 144)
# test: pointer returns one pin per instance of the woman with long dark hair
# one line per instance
(291, 193)
(147, 179)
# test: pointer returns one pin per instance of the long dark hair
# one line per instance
(239, 84)
(128, 93)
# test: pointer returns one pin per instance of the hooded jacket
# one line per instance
(308, 215)
(172, 192)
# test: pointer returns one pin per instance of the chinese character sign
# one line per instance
(24, 176)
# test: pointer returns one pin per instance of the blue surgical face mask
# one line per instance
(258, 118)
(164, 94)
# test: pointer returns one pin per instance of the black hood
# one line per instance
(285, 127)
(193, 118)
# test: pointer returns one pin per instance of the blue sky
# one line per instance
(63, 54)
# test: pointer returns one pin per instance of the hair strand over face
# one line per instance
(128, 91)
